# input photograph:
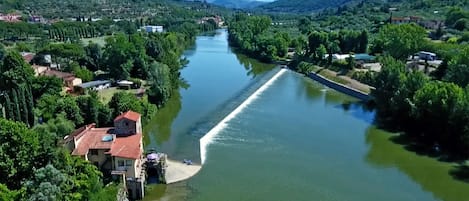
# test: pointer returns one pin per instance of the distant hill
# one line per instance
(238, 3)
(301, 5)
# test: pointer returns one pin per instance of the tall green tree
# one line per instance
(400, 41)
(94, 56)
(388, 82)
(46, 85)
(458, 68)
(19, 146)
(47, 184)
(435, 105)
(15, 81)
(49, 106)
(161, 88)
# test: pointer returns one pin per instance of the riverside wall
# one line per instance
(340, 87)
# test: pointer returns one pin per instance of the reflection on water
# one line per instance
(162, 121)
(298, 141)
(253, 66)
(431, 175)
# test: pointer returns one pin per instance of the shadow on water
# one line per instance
(460, 172)
(386, 151)
(163, 120)
(253, 67)
(360, 110)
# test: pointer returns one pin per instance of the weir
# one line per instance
(208, 138)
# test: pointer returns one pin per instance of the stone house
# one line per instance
(114, 150)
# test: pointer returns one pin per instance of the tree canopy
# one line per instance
(400, 41)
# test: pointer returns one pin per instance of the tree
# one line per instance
(434, 109)
(46, 85)
(161, 88)
(458, 68)
(388, 82)
(83, 178)
(461, 24)
(47, 184)
(400, 41)
(118, 56)
(82, 73)
(49, 106)
(94, 56)
(315, 40)
(14, 71)
(363, 42)
(454, 14)
(15, 80)
(19, 145)
(7, 194)
(58, 126)
(64, 52)
(92, 110)
(2, 53)
(122, 102)
(351, 63)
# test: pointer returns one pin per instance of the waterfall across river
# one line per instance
(289, 139)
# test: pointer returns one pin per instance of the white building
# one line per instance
(152, 29)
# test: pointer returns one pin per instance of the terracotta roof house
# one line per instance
(28, 56)
(68, 79)
(118, 148)
(12, 17)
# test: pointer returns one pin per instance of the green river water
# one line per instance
(297, 140)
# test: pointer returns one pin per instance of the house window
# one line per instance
(128, 163)
(120, 163)
(126, 123)
(94, 152)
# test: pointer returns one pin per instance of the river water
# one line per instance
(297, 140)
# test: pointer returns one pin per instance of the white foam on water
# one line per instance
(208, 138)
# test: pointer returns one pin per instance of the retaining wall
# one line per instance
(340, 87)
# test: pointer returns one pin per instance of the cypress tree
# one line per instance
(15, 105)
(22, 105)
(30, 105)
(8, 107)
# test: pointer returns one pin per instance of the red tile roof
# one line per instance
(92, 139)
(78, 133)
(127, 147)
(59, 74)
(27, 56)
(131, 115)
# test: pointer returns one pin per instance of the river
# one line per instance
(297, 140)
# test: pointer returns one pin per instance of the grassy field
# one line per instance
(98, 40)
(105, 95)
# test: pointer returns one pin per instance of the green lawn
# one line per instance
(98, 40)
(105, 95)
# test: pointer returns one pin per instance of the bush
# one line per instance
(366, 77)
(137, 83)
(305, 68)
(338, 65)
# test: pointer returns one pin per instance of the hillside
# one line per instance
(239, 4)
(301, 5)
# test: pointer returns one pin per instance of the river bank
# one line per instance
(296, 140)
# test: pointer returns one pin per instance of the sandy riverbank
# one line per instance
(177, 171)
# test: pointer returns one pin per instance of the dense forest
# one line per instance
(300, 5)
